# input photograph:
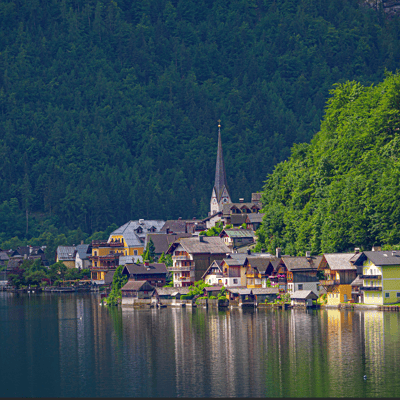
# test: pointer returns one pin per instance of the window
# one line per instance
(135, 252)
(235, 281)
(300, 286)
(387, 294)
(95, 253)
(398, 294)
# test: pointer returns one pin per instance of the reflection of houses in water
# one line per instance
(374, 343)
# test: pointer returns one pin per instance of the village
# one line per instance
(221, 263)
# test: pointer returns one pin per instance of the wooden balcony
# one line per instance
(116, 244)
(99, 243)
(181, 269)
(372, 288)
(371, 277)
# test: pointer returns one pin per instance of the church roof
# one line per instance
(220, 174)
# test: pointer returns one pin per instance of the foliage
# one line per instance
(342, 190)
(195, 290)
(222, 294)
(118, 282)
(149, 252)
(108, 109)
(215, 230)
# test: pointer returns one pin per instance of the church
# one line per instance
(221, 206)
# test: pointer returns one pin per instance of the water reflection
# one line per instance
(193, 352)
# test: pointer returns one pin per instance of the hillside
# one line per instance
(108, 110)
(343, 189)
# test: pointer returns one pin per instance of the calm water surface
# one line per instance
(68, 346)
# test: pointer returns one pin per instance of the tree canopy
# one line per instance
(343, 189)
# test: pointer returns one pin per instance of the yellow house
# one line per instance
(66, 254)
(381, 277)
(339, 272)
(128, 240)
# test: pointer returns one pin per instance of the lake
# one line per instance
(67, 345)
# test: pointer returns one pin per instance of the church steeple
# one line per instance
(220, 194)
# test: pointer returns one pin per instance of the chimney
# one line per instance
(179, 218)
(278, 252)
(241, 200)
(356, 250)
(167, 231)
(141, 221)
(248, 252)
(201, 238)
(308, 254)
(146, 263)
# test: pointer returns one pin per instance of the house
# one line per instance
(302, 273)
(123, 260)
(29, 253)
(66, 254)
(242, 295)
(381, 277)
(154, 273)
(339, 272)
(233, 271)
(127, 240)
(213, 275)
(230, 209)
(303, 298)
(356, 293)
(162, 241)
(108, 279)
(83, 252)
(192, 257)
(253, 221)
(236, 237)
(237, 220)
(136, 290)
(169, 293)
(259, 269)
(180, 226)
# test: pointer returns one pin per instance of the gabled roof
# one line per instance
(134, 232)
(357, 282)
(262, 262)
(339, 261)
(109, 277)
(137, 285)
(82, 250)
(233, 262)
(238, 219)
(66, 253)
(383, 257)
(162, 241)
(301, 263)
(214, 264)
(208, 245)
(303, 295)
(3, 256)
(174, 226)
(139, 269)
(254, 218)
(226, 208)
(237, 233)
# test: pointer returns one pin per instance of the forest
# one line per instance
(342, 190)
(109, 109)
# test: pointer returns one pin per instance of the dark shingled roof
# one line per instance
(226, 208)
(238, 219)
(137, 285)
(152, 268)
(383, 257)
(209, 245)
(254, 217)
(301, 263)
(261, 263)
(109, 277)
(162, 241)
(174, 226)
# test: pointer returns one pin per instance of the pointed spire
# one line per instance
(220, 175)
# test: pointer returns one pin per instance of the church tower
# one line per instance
(220, 193)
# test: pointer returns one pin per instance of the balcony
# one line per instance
(372, 288)
(370, 276)
(179, 258)
(116, 244)
(181, 269)
(109, 257)
(329, 282)
(99, 243)
(185, 278)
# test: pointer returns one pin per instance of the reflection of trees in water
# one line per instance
(116, 317)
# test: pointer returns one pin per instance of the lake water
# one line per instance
(68, 346)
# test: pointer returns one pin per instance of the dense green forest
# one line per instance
(109, 109)
(343, 189)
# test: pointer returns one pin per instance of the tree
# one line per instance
(118, 282)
